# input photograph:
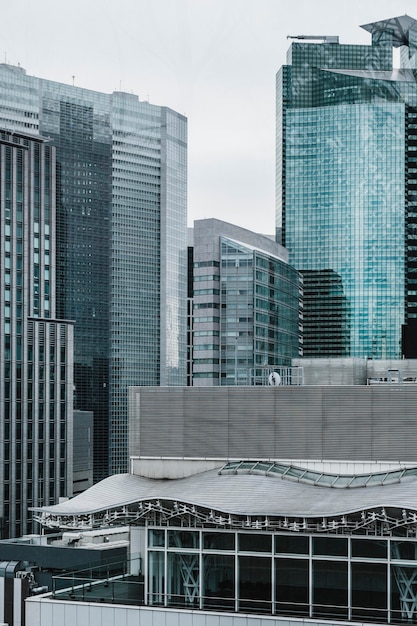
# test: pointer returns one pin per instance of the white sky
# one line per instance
(213, 60)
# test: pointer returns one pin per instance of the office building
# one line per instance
(121, 241)
(247, 306)
(36, 366)
(238, 534)
(82, 451)
(347, 189)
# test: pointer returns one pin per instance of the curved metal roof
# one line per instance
(247, 494)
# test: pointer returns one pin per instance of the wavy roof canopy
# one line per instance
(251, 493)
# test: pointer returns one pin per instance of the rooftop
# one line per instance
(248, 493)
(399, 26)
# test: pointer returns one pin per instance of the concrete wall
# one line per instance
(354, 423)
(43, 611)
(349, 371)
(353, 371)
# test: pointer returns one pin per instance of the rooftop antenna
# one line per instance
(323, 38)
(73, 80)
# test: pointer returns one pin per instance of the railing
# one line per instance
(120, 582)
(125, 589)
(129, 590)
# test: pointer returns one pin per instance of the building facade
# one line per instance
(121, 241)
(253, 537)
(344, 422)
(246, 305)
(82, 450)
(224, 529)
(346, 189)
(36, 364)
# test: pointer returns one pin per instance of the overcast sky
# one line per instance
(212, 60)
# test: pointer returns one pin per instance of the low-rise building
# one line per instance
(230, 533)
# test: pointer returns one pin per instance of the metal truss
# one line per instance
(377, 521)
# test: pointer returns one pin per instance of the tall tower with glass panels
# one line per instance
(347, 189)
(36, 366)
(121, 241)
(246, 306)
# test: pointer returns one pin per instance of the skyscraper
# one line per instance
(347, 189)
(246, 306)
(36, 367)
(121, 241)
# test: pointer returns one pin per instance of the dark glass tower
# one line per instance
(347, 189)
(36, 367)
(121, 241)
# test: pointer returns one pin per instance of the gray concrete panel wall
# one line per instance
(354, 423)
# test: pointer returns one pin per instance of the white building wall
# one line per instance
(43, 611)
(17, 602)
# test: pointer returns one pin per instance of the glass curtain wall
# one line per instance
(348, 578)
(236, 313)
(345, 191)
(260, 300)
(345, 231)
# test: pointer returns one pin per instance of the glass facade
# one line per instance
(346, 202)
(246, 306)
(36, 377)
(332, 577)
(121, 241)
(259, 312)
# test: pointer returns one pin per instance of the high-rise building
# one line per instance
(36, 366)
(347, 189)
(246, 306)
(121, 241)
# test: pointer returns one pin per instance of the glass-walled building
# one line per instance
(346, 189)
(361, 579)
(36, 347)
(259, 538)
(120, 241)
(247, 305)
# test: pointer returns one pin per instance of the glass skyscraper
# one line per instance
(347, 189)
(36, 367)
(121, 241)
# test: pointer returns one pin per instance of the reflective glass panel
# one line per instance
(156, 538)
(405, 550)
(218, 581)
(330, 589)
(250, 542)
(183, 539)
(369, 591)
(255, 584)
(369, 548)
(289, 544)
(292, 586)
(330, 546)
(156, 579)
(218, 541)
(183, 580)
